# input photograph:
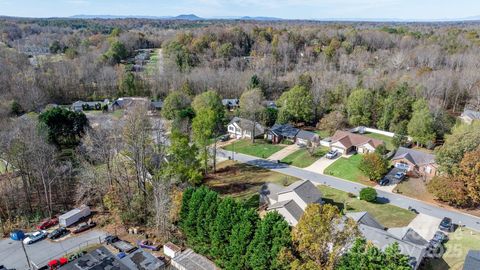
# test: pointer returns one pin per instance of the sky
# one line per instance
(287, 9)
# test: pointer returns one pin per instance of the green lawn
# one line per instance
(457, 247)
(322, 133)
(301, 158)
(387, 214)
(347, 168)
(260, 148)
(386, 139)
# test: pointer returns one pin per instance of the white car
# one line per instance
(34, 237)
(331, 154)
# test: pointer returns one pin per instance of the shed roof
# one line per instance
(190, 260)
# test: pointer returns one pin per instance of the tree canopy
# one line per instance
(420, 126)
(65, 127)
(360, 107)
(296, 105)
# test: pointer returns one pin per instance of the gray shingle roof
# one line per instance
(190, 260)
(474, 115)
(472, 261)
(142, 260)
(306, 190)
(230, 102)
(307, 135)
(246, 124)
(285, 130)
(365, 218)
(290, 206)
(414, 156)
(408, 234)
(98, 259)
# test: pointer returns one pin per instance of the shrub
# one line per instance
(368, 194)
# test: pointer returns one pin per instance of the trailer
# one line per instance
(73, 216)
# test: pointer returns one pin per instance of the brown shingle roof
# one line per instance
(349, 139)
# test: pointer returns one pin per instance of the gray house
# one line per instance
(241, 128)
(291, 201)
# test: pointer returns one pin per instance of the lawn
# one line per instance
(241, 180)
(301, 158)
(347, 168)
(387, 214)
(260, 148)
(456, 249)
(388, 140)
(322, 133)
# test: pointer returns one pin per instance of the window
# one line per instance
(231, 128)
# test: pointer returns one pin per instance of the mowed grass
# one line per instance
(348, 169)
(260, 148)
(456, 249)
(301, 158)
(387, 214)
(241, 180)
(388, 140)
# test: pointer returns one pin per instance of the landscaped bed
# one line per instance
(241, 180)
(260, 148)
(347, 168)
(387, 214)
(456, 249)
(302, 158)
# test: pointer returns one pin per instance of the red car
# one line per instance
(47, 223)
(55, 264)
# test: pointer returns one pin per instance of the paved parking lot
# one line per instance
(12, 255)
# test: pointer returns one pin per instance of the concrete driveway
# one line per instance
(284, 152)
(12, 255)
(321, 164)
(425, 225)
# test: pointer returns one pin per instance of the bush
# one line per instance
(368, 194)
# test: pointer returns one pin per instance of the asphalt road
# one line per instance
(12, 255)
(459, 218)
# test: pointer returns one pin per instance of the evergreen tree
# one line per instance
(205, 218)
(420, 126)
(227, 215)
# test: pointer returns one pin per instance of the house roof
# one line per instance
(230, 101)
(474, 115)
(291, 207)
(307, 135)
(472, 261)
(414, 156)
(365, 218)
(408, 234)
(305, 189)
(97, 259)
(247, 125)
(285, 130)
(270, 190)
(141, 260)
(349, 139)
(190, 260)
(158, 104)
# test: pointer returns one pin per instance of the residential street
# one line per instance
(348, 186)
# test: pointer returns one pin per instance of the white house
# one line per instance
(241, 128)
(291, 201)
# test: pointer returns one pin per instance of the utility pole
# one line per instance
(26, 255)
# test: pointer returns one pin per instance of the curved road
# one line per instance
(457, 217)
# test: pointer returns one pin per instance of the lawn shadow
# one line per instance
(339, 205)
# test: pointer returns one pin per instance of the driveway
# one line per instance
(425, 225)
(284, 152)
(321, 164)
(12, 256)
(399, 200)
(392, 180)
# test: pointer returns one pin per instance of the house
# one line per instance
(307, 137)
(79, 105)
(468, 116)
(415, 162)
(291, 201)
(128, 102)
(277, 133)
(99, 258)
(231, 103)
(241, 128)
(472, 261)
(409, 241)
(156, 105)
(189, 260)
(346, 142)
(171, 250)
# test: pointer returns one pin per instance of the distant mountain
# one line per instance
(248, 18)
(188, 17)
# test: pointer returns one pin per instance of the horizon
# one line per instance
(395, 10)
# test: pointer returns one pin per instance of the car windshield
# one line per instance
(446, 222)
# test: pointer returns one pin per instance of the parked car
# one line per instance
(84, 226)
(446, 225)
(109, 239)
(399, 175)
(58, 233)
(224, 138)
(47, 223)
(384, 181)
(435, 249)
(440, 237)
(55, 264)
(148, 245)
(331, 154)
(35, 237)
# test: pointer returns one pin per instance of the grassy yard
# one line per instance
(301, 158)
(461, 241)
(347, 168)
(260, 148)
(386, 139)
(387, 214)
(242, 180)
(322, 133)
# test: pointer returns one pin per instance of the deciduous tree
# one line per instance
(373, 165)
(360, 107)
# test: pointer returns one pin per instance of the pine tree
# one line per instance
(227, 215)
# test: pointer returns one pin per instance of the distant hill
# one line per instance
(248, 18)
(189, 17)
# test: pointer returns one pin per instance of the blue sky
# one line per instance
(291, 9)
